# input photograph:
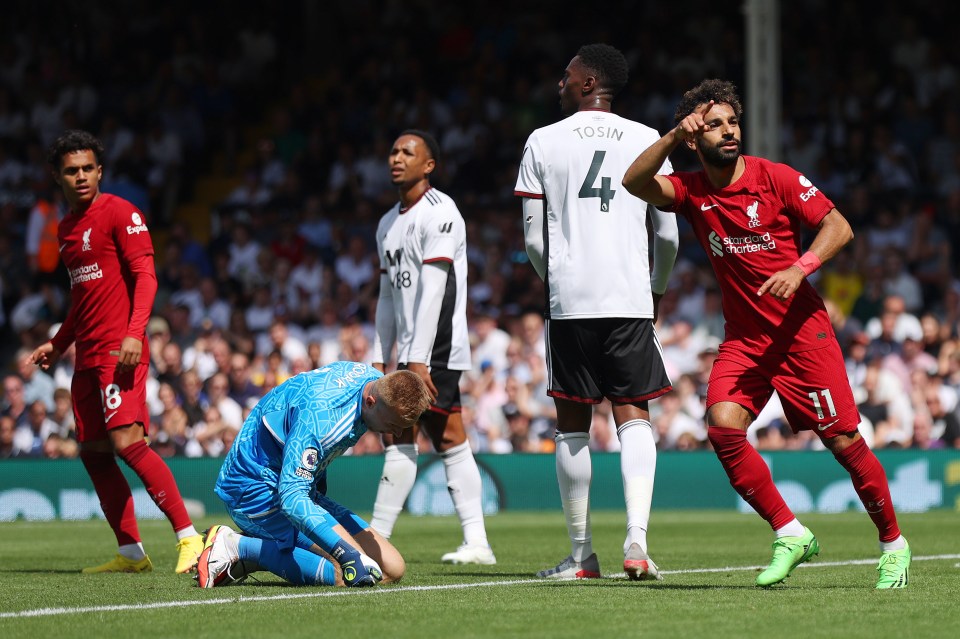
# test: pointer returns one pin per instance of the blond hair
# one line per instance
(404, 392)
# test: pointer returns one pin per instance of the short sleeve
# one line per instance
(530, 176)
(442, 234)
(130, 232)
(800, 197)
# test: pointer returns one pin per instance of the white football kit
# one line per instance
(431, 230)
(595, 235)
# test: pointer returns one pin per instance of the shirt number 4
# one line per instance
(588, 190)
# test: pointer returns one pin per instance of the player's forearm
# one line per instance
(834, 233)
(641, 178)
(433, 283)
(385, 323)
(533, 234)
(309, 518)
(67, 333)
(666, 243)
(144, 292)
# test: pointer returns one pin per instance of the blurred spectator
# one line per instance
(14, 404)
(355, 265)
(210, 433)
(62, 414)
(242, 389)
(899, 322)
(8, 448)
(670, 422)
(29, 437)
(218, 388)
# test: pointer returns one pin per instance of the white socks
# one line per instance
(638, 465)
(189, 531)
(465, 486)
(897, 544)
(574, 471)
(396, 482)
(792, 528)
(133, 552)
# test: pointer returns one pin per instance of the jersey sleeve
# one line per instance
(530, 176)
(303, 465)
(800, 197)
(681, 193)
(441, 234)
(130, 232)
(379, 238)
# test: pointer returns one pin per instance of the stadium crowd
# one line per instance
(302, 115)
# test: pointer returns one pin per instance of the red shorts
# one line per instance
(104, 398)
(812, 385)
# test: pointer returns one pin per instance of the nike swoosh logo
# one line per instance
(110, 416)
(62, 246)
(704, 207)
(826, 426)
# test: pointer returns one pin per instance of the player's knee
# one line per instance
(393, 569)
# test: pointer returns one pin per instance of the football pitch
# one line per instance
(709, 559)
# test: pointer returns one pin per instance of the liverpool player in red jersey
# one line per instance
(747, 213)
(106, 247)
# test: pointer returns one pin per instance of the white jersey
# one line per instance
(431, 230)
(595, 232)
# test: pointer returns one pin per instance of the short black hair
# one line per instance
(74, 140)
(428, 139)
(720, 91)
(607, 63)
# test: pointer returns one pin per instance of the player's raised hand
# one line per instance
(694, 125)
(45, 355)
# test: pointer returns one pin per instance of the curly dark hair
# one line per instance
(720, 91)
(71, 141)
(607, 63)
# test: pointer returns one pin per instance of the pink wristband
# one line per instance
(808, 263)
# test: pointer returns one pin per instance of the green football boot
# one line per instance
(894, 569)
(788, 553)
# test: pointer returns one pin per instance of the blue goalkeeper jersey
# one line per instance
(280, 456)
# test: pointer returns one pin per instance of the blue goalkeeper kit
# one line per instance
(277, 465)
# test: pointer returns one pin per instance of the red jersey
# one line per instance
(96, 248)
(751, 230)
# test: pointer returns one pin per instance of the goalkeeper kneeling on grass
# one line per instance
(273, 480)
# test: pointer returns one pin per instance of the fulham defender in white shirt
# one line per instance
(587, 238)
(422, 245)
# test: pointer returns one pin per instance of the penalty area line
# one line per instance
(345, 592)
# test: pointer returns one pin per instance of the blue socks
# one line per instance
(298, 566)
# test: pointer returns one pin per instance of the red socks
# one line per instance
(749, 475)
(159, 482)
(871, 485)
(114, 493)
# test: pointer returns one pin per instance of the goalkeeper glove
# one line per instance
(359, 570)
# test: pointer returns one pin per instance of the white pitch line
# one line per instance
(53, 612)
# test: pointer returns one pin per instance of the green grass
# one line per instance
(39, 564)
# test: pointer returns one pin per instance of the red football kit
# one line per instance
(96, 247)
(751, 230)
(100, 247)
